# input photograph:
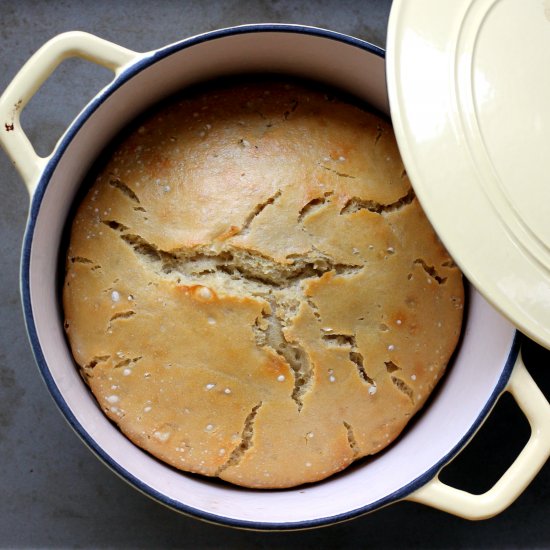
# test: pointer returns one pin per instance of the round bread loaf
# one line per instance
(252, 289)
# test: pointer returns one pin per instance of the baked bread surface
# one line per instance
(252, 289)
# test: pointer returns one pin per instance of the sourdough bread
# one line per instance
(252, 289)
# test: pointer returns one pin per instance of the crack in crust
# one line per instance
(391, 366)
(431, 271)
(339, 174)
(124, 189)
(84, 261)
(355, 356)
(127, 362)
(247, 441)
(80, 260)
(399, 383)
(86, 370)
(402, 386)
(356, 203)
(115, 225)
(231, 262)
(97, 359)
(269, 332)
(120, 315)
(352, 442)
(314, 308)
(257, 211)
(313, 205)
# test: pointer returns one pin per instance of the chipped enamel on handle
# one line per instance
(29, 80)
(522, 471)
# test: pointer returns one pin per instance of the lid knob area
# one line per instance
(469, 89)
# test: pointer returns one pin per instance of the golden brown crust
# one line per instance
(253, 291)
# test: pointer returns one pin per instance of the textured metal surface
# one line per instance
(54, 493)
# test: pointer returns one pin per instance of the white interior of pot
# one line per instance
(466, 389)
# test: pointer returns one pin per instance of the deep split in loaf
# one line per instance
(252, 289)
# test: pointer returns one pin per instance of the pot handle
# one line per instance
(31, 77)
(522, 471)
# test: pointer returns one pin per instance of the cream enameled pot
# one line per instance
(487, 364)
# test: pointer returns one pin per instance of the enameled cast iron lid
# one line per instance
(469, 88)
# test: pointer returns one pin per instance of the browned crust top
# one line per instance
(253, 291)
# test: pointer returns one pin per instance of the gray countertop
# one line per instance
(53, 491)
